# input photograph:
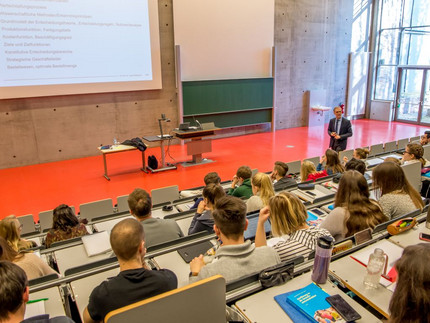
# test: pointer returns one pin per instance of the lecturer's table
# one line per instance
(197, 146)
(118, 149)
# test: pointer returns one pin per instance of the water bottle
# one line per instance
(322, 259)
(374, 268)
(115, 142)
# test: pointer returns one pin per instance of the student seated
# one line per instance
(10, 230)
(14, 295)
(411, 298)
(332, 163)
(235, 257)
(135, 282)
(203, 219)
(356, 164)
(394, 192)
(414, 153)
(262, 190)
(242, 180)
(360, 154)
(354, 211)
(65, 225)
(32, 264)
(425, 138)
(156, 230)
(393, 160)
(280, 176)
(309, 172)
(288, 219)
(209, 178)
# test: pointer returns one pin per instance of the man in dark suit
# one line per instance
(339, 129)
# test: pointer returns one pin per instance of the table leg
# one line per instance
(163, 157)
(144, 163)
(105, 166)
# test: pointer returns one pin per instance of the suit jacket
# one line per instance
(344, 133)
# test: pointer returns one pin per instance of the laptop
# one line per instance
(184, 126)
(252, 227)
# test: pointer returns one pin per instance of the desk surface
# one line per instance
(410, 237)
(351, 274)
(156, 138)
(262, 307)
(116, 149)
(76, 256)
(188, 134)
(82, 288)
(54, 304)
(175, 263)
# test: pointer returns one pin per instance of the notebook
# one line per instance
(96, 243)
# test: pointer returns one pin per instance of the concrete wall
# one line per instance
(313, 41)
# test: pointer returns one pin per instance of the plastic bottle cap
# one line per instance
(325, 242)
(378, 252)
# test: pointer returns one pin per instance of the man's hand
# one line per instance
(345, 159)
(234, 181)
(337, 136)
(197, 264)
(333, 134)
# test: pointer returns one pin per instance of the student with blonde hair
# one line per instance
(262, 190)
(288, 219)
(354, 211)
(309, 172)
(10, 230)
(332, 163)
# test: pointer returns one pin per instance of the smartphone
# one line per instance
(318, 212)
(424, 236)
(343, 308)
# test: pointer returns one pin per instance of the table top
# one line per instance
(116, 149)
(410, 237)
(156, 138)
(261, 307)
(194, 133)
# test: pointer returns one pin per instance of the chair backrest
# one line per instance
(315, 160)
(413, 174)
(184, 304)
(426, 152)
(27, 222)
(401, 143)
(416, 138)
(254, 171)
(346, 153)
(46, 217)
(122, 203)
(390, 146)
(164, 194)
(294, 167)
(95, 209)
(376, 149)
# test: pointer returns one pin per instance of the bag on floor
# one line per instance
(152, 162)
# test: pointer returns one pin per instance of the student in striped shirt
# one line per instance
(288, 219)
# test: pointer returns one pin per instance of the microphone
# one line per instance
(200, 125)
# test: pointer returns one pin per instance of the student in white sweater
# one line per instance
(397, 196)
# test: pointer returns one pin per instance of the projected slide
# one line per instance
(51, 42)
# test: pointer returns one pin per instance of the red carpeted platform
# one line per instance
(31, 189)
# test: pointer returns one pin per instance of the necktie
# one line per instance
(337, 126)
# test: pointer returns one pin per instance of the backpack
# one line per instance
(152, 162)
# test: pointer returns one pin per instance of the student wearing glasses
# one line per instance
(10, 230)
(414, 153)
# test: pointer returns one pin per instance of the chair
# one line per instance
(426, 152)
(314, 160)
(390, 146)
(165, 194)
(254, 171)
(413, 174)
(184, 304)
(346, 153)
(45, 219)
(122, 203)
(27, 222)
(376, 149)
(95, 209)
(401, 143)
(294, 167)
(416, 138)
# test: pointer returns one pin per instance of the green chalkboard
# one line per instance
(218, 98)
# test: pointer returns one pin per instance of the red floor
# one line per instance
(31, 189)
